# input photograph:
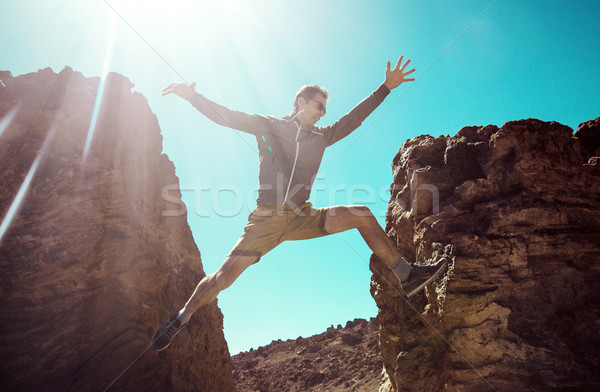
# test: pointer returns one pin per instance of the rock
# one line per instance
(351, 339)
(95, 257)
(311, 348)
(515, 209)
(324, 362)
(588, 135)
(4, 77)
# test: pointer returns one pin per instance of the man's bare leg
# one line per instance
(342, 218)
(412, 279)
(207, 290)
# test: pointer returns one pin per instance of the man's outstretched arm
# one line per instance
(352, 120)
(220, 114)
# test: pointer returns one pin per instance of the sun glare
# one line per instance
(99, 94)
(20, 197)
(7, 119)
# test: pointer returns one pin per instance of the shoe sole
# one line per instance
(425, 283)
(161, 349)
(168, 344)
(157, 349)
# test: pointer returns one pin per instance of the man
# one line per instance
(290, 151)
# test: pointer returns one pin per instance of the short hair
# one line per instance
(308, 92)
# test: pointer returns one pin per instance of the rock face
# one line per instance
(516, 211)
(94, 257)
(340, 359)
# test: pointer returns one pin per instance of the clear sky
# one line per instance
(518, 59)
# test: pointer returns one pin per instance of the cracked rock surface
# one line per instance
(515, 209)
(95, 258)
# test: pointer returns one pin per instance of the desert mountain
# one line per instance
(339, 359)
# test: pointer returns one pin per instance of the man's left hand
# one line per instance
(395, 77)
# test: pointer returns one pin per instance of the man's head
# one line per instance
(310, 104)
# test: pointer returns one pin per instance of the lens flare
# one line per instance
(100, 93)
(7, 119)
(16, 204)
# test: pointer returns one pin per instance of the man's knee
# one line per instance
(360, 211)
(349, 217)
(363, 216)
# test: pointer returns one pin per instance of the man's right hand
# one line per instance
(181, 89)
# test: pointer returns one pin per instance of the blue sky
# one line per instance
(518, 59)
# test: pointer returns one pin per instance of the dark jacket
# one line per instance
(290, 155)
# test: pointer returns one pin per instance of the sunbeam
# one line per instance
(20, 197)
(98, 103)
(7, 119)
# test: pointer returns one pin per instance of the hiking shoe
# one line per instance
(420, 276)
(163, 336)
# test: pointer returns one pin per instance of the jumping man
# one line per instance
(291, 149)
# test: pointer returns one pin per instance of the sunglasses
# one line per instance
(320, 105)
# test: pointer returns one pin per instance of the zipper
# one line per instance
(294, 166)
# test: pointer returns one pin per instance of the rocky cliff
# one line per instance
(90, 263)
(515, 209)
(339, 359)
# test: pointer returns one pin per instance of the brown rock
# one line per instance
(351, 339)
(515, 209)
(90, 265)
(588, 135)
(4, 76)
(324, 362)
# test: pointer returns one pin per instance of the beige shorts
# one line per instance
(269, 225)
